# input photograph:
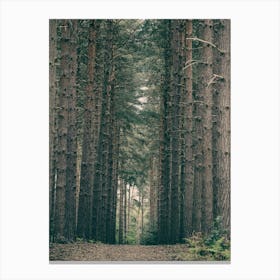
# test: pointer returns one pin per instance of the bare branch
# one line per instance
(192, 62)
(206, 42)
(215, 76)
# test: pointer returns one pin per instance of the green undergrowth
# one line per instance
(200, 249)
(212, 247)
(92, 241)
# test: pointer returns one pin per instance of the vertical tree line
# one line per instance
(194, 185)
(93, 73)
(139, 129)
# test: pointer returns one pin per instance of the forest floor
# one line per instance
(81, 251)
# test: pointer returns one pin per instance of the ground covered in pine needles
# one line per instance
(81, 251)
(195, 249)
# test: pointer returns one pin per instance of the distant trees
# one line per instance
(139, 129)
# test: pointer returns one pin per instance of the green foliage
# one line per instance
(149, 238)
(216, 233)
(92, 241)
(131, 236)
(132, 232)
(201, 250)
(213, 247)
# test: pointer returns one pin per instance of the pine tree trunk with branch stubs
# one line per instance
(223, 125)
(62, 130)
(84, 227)
(207, 74)
(71, 174)
(121, 212)
(103, 150)
(175, 132)
(53, 59)
(164, 201)
(182, 132)
(189, 165)
(153, 192)
(115, 170)
(199, 110)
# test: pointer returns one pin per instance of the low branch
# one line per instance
(206, 42)
(192, 62)
(215, 76)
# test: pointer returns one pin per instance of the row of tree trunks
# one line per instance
(194, 186)
(190, 187)
(98, 170)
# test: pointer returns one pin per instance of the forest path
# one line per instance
(103, 252)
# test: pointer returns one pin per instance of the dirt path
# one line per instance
(104, 252)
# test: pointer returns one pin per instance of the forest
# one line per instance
(139, 139)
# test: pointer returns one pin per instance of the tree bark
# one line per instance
(223, 126)
(207, 74)
(52, 121)
(153, 191)
(163, 216)
(189, 167)
(84, 227)
(182, 125)
(71, 175)
(198, 138)
(175, 132)
(116, 144)
(64, 84)
(125, 214)
(121, 212)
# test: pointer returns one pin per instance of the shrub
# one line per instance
(149, 238)
(213, 247)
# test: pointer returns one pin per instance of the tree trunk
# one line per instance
(153, 191)
(84, 227)
(99, 112)
(163, 216)
(116, 145)
(121, 212)
(125, 213)
(142, 214)
(59, 221)
(223, 125)
(112, 128)
(182, 125)
(52, 120)
(128, 208)
(189, 167)
(175, 133)
(71, 175)
(198, 138)
(207, 74)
